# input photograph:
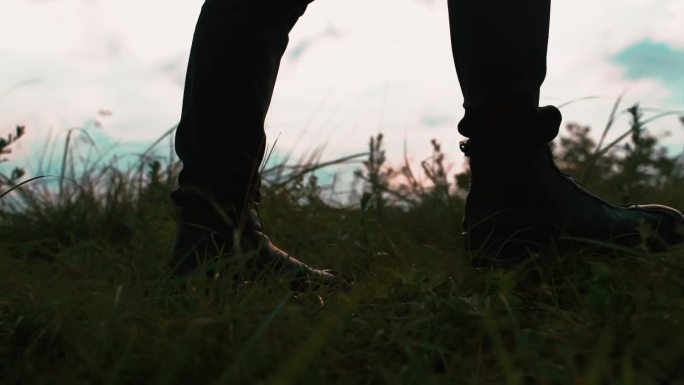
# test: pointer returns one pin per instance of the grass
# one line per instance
(85, 296)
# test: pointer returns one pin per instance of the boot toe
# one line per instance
(666, 222)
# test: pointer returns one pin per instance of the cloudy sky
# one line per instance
(354, 68)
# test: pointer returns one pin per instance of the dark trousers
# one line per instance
(499, 49)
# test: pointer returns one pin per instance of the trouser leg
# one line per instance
(499, 49)
(232, 71)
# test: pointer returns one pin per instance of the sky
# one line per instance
(353, 68)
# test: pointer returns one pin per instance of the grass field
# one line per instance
(85, 296)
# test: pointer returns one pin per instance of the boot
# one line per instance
(212, 238)
(520, 202)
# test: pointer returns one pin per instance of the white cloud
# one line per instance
(670, 30)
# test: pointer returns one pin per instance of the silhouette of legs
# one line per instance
(220, 139)
(519, 201)
(499, 50)
(233, 66)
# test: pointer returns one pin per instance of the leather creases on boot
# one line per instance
(234, 239)
(520, 202)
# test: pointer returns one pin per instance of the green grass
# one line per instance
(85, 296)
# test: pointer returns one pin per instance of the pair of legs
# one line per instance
(518, 198)
(499, 49)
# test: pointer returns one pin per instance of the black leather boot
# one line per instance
(216, 239)
(520, 202)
